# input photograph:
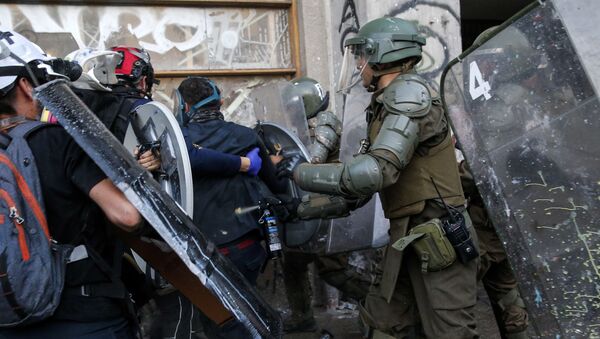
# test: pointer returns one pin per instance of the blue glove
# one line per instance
(255, 162)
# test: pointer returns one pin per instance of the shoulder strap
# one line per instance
(5, 140)
(24, 129)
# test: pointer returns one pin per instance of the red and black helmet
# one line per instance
(135, 63)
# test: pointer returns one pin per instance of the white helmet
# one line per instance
(98, 68)
(16, 49)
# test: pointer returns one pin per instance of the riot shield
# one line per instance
(154, 123)
(364, 228)
(199, 256)
(526, 116)
(274, 102)
(367, 226)
(301, 235)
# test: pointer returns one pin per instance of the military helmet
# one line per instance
(314, 97)
(387, 40)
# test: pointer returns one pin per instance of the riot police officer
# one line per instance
(408, 157)
(325, 130)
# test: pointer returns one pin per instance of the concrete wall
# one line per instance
(325, 25)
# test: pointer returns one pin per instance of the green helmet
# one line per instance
(387, 40)
(314, 97)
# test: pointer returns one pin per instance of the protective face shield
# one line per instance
(381, 44)
(16, 52)
(354, 62)
(179, 108)
(98, 68)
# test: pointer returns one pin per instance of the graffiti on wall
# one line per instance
(177, 38)
(436, 21)
(349, 24)
(436, 27)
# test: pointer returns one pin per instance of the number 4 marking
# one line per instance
(477, 86)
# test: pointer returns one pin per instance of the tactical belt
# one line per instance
(108, 290)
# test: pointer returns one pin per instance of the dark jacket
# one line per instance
(216, 196)
(112, 108)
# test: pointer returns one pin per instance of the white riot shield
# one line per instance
(525, 110)
(155, 122)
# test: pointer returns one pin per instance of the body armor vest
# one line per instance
(414, 186)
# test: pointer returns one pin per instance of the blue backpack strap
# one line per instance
(5, 140)
(23, 129)
(139, 102)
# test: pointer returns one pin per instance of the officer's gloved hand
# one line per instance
(291, 160)
(284, 209)
(255, 162)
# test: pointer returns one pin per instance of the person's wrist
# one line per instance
(244, 164)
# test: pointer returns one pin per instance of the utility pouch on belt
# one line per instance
(430, 244)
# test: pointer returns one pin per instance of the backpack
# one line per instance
(112, 108)
(32, 266)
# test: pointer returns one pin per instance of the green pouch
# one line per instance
(430, 244)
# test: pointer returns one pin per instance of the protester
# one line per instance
(77, 196)
(237, 236)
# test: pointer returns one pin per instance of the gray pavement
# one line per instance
(342, 321)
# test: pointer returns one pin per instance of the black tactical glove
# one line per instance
(70, 69)
(291, 160)
(284, 210)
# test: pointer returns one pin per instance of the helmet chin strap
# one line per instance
(373, 85)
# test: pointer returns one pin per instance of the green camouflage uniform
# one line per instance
(406, 300)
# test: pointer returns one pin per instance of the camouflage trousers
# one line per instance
(333, 269)
(407, 302)
(498, 278)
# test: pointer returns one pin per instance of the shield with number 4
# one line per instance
(524, 106)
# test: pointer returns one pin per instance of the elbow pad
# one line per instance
(362, 176)
(319, 178)
(327, 129)
(399, 134)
